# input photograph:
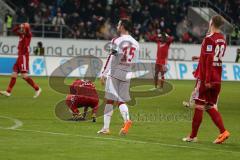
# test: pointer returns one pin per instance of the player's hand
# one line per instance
(103, 79)
(194, 58)
(208, 85)
(194, 72)
(21, 28)
(94, 117)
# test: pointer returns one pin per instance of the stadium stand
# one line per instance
(94, 19)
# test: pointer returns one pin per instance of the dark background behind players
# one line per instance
(148, 16)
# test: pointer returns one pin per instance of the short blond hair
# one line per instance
(217, 21)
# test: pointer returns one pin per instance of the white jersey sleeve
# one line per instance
(106, 68)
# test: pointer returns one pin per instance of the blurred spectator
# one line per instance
(39, 51)
(8, 23)
(21, 16)
(58, 20)
(186, 37)
(235, 36)
(97, 19)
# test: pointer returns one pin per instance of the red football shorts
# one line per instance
(22, 64)
(82, 101)
(207, 96)
(160, 68)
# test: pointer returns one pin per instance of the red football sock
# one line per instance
(156, 79)
(217, 119)
(162, 81)
(196, 122)
(11, 84)
(30, 82)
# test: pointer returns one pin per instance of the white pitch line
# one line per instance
(124, 140)
(17, 122)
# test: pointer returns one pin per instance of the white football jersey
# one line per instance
(125, 52)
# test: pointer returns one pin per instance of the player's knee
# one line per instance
(200, 106)
(215, 106)
(120, 103)
(14, 75)
(68, 100)
(68, 103)
(24, 76)
(108, 101)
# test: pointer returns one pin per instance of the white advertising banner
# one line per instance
(37, 66)
(70, 47)
(231, 71)
(185, 69)
(45, 66)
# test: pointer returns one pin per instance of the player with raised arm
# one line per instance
(210, 72)
(82, 94)
(22, 63)
(117, 73)
(163, 43)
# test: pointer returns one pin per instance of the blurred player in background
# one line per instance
(22, 64)
(117, 73)
(209, 75)
(163, 43)
(82, 94)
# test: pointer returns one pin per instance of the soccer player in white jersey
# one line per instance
(117, 74)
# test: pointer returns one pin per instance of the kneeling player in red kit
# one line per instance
(82, 94)
(209, 81)
(22, 63)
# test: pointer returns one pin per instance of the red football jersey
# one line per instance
(24, 41)
(84, 88)
(196, 73)
(76, 101)
(210, 62)
(162, 51)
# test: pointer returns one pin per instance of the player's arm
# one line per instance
(16, 30)
(154, 37)
(27, 44)
(209, 55)
(170, 39)
(106, 69)
(114, 48)
(209, 63)
(112, 51)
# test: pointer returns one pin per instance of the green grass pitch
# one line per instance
(159, 125)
